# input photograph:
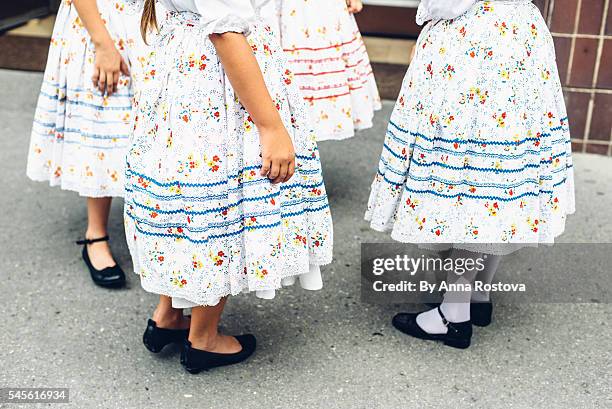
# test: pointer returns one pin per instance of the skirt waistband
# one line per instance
(192, 20)
(505, 1)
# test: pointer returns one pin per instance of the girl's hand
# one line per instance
(278, 155)
(108, 66)
(354, 6)
(244, 73)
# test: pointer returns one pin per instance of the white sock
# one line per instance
(265, 294)
(491, 263)
(456, 304)
(312, 280)
(288, 281)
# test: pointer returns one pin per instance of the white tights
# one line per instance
(456, 304)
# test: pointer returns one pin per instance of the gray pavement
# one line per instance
(316, 350)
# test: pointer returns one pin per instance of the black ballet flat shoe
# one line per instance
(110, 277)
(459, 334)
(197, 360)
(481, 313)
(155, 339)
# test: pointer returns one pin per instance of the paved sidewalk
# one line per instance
(316, 350)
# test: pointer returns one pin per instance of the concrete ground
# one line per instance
(316, 350)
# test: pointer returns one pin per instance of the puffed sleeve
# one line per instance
(222, 16)
(442, 9)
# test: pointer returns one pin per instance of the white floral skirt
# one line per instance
(201, 223)
(478, 147)
(331, 65)
(79, 137)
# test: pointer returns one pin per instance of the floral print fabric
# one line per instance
(478, 147)
(331, 65)
(200, 221)
(79, 137)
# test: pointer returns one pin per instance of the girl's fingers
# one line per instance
(102, 82)
(282, 174)
(95, 77)
(115, 81)
(354, 6)
(290, 170)
(265, 167)
(124, 67)
(274, 171)
(349, 5)
(110, 83)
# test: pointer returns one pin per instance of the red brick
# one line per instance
(599, 149)
(591, 16)
(562, 49)
(601, 120)
(563, 16)
(604, 79)
(583, 62)
(577, 107)
(577, 146)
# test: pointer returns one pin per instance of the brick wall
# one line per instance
(582, 30)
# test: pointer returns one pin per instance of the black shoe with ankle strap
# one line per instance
(459, 334)
(109, 277)
(481, 313)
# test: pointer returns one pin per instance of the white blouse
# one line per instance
(220, 16)
(448, 9)
(442, 9)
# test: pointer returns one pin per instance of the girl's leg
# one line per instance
(204, 334)
(456, 304)
(486, 276)
(98, 209)
(167, 317)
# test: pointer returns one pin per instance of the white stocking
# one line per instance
(491, 263)
(456, 304)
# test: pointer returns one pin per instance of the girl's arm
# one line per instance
(247, 80)
(109, 63)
